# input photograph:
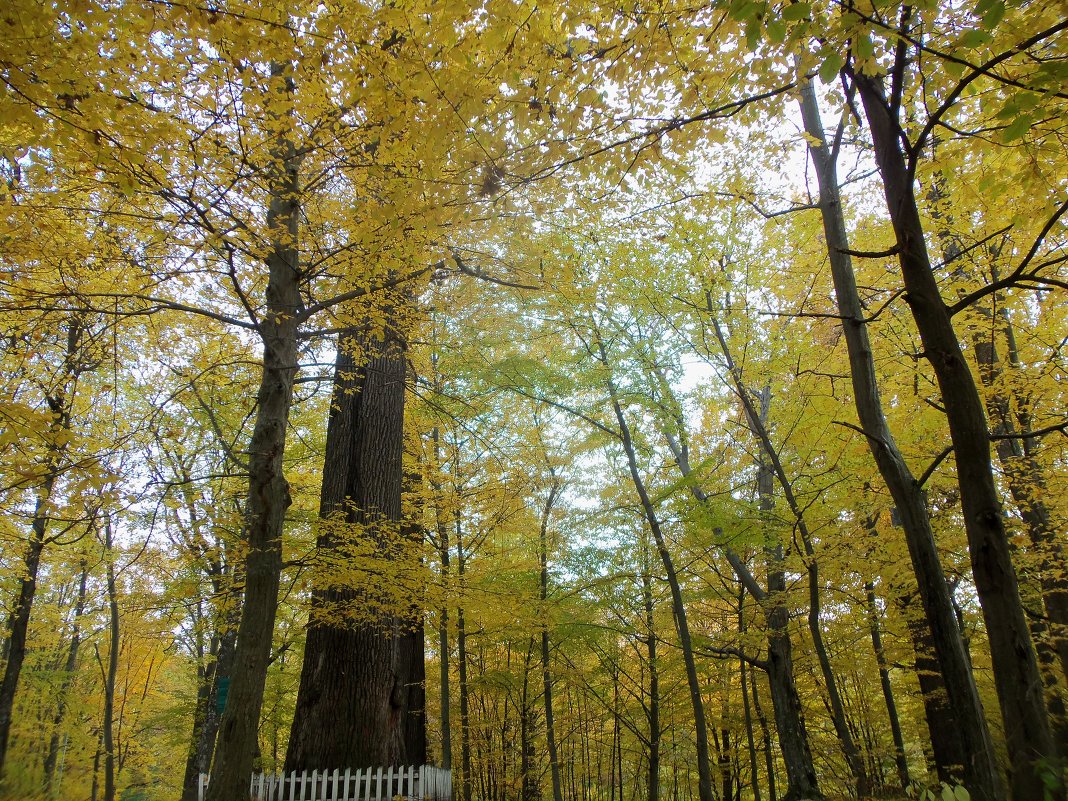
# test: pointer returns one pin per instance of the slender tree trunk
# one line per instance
(981, 774)
(770, 462)
(1027, 485)
(1016, 675)
(765, 735)
(528, 770)
(51, 784)
(947, 744)
(790, 725)
(653, 707)
(888, 690)
(205, 675)
(704, 772)
(546, 673)
(268, 496)
(442, 529)
(746, 708)
(461, 658)
(110, 746)
(18, 623)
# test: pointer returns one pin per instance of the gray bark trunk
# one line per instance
(981, 775)
(704, 772)
(268, 496)
(1016, 674)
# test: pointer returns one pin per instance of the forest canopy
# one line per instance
(606, 402)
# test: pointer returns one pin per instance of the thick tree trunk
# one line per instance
(353, 706)
(1016, 674)
(268, 496)
(981, 774)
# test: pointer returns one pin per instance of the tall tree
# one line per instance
(981, 775)
(355, 705)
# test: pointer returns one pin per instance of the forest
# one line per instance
(607, 401)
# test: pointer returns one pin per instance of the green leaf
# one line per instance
(975, 38)
(752, 34)
(863, 47)
(777, 31)
(961, 793)
(992, 17)
(744, 10)
(830, 66)
(795, 12)
(1015, 130)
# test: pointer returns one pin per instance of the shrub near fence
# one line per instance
(424, 783)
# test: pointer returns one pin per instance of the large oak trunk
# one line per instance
(360, 702)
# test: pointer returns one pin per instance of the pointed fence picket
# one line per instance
(411, 783)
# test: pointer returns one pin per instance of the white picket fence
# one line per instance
(411, 783)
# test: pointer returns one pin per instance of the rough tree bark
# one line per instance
(355, 702)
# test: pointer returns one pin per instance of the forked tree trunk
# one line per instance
(18, 623)
(704, 772)
(1016, 674)
(981, 774)
(771, 469)
(801, 780)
